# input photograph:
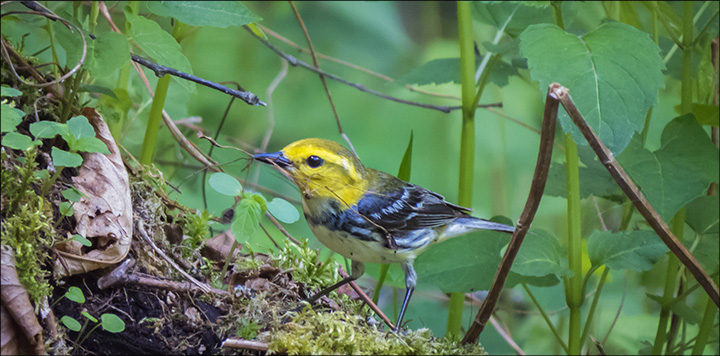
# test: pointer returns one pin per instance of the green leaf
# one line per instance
(110, 51)
(703, 215)
(706, 252)
(66, 208)
(225, 184)
(71, 323)
(17, 141)
(90, 144)
(112, 323)
(406, 163)
(65, 159)
(71, 42)
(540, 255)
(11, 117)
(283, 210)
(90, 317)
(463, 263)
(80, 127)
(89, 88)
(79, 238)
(7, 91)
(497, 14)
(205, 13)
(72, 194)
(437, 71)
(161, 46)
(634, 250)
(49, 129)
(613, 74)
(75, 294)
(706, 114)
(679, 171)
(247, 218)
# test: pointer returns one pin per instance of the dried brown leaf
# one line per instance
(105, 212)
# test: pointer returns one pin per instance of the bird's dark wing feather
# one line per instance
(396, 205)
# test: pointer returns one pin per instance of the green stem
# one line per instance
(557, 13)
(151, 131)
(706, 327)
(381, 279)
(573, 289)
(547, 319)
(677, 223)
(596, 298)
(686, 74)
(94, 11)
(467, 143)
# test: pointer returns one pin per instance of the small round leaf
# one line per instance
(75, 294)
(87, 315)
(71, 323)
(225, 184)
(283, 210)
(112, 323)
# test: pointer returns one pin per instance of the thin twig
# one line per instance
(636, 196)
(351, 65)
(43, 11)
(366, 299)
(141, 230)
(322, 77)
(296, 62)
(536, 191)
(160, 70)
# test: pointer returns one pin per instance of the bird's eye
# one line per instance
(314, 161)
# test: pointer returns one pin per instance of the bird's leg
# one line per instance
(410, 282)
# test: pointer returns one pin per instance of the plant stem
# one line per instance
(151, 131)
(706, 326)
(547, 319)
(573, 288)
(686, 74)
(677, 223)
(596, 298)
(381, 279)
(467, 143)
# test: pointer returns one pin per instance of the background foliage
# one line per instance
(618, 59)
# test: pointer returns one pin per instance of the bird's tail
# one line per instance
(464, 225)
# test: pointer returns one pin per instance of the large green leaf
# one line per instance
(110, 51)
(524, 14)
(613, 74)
(540, 255)
(205, 13)
(634, 250)
(462, 263)
(161, 46)
(679, 171)
(703, 215)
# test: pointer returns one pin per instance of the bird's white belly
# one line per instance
(359, 250)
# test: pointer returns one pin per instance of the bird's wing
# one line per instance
(399, 205)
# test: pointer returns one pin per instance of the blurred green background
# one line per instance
(391, 38)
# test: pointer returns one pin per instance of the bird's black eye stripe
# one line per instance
(314, 161)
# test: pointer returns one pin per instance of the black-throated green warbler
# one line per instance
(367, 215)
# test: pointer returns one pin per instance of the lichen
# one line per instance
(322, 333)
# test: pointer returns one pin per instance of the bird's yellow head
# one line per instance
(321, 168)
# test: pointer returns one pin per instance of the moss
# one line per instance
(311, 332)
(25, 225)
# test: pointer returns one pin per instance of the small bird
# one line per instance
(367, 215)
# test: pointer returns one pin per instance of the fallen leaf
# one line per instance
(105, 211)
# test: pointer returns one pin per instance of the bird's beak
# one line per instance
(277, 158)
